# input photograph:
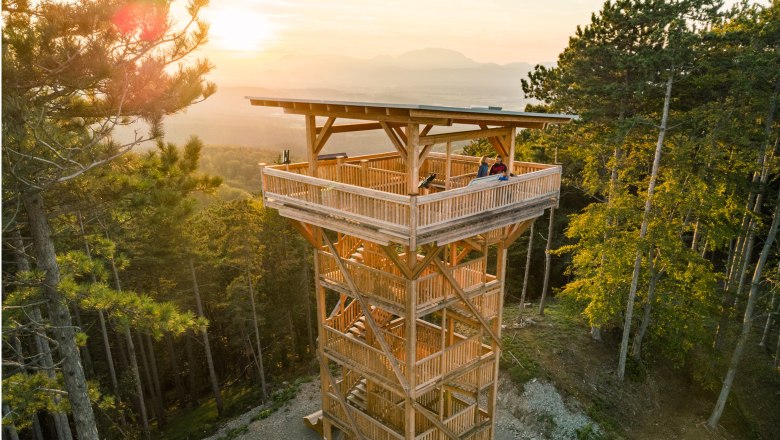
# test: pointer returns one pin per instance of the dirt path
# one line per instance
(537, 413)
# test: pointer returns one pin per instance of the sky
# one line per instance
(497, 31)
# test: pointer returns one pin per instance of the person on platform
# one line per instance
(498, 167)
(484, 167)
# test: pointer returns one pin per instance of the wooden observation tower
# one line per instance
(409, 281)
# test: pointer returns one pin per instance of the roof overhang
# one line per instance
(412, 113)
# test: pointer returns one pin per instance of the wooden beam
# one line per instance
(322, 135)
(393, 137)
(400, 132)
(341, 113)
(390, 252)
(311, 140)
(346, 128)
(369, 317)
(304, 229)
(489, 118)
(426, 130)
(510, 144)
(413, 170)
(433, 251)
(424, 153)
(463, 297)
(496, 142)
(461, 135)
(517, 231)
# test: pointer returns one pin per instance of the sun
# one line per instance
(238, 30)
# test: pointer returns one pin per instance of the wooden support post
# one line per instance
(364, 178)
(501, 255)
(311, 144)
(413, 158)
(319, 292)
(339, 166)
(510, 146)
(448, 167)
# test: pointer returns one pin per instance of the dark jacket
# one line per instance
(497, 168)
(483, 170)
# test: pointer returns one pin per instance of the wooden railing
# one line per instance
(432, 288)
(347, 318)
(460, 422)
(373, 191)
(445, 207)
(444, 362)
(350, 348)
(370, 281)
(367, 425)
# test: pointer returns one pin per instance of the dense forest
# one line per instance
(149, 294)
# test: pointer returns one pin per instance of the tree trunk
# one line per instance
(527, 271)
(260, 368)
(62, 325)
(148, 375)
(46, 360)
(547, 261)
(133, 359)
(9, 428)
(156, 382)
(636, 349)
(191, 370)
(643, 231)
(139, 388)
(747, 322)
(206, 345)
(768, 325)
(180, 394)
(101, 319)
(760, 177)
(89, 369)
(61, 423)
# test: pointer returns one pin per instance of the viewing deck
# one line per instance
(365, 196)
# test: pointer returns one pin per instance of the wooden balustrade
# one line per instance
(351, 349)
(365, 191)
(444, 207)
(370, 281)
(477, 377)
(389, 412)
(392, 288)
(369, 427)
(346, 319)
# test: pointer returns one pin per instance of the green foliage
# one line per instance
(30, 393)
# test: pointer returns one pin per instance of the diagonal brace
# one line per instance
(435, 420)
(344, 404)
(369, 317)
(463, 297)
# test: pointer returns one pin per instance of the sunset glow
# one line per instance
(238, 30)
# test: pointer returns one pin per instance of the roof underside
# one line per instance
(428, 114)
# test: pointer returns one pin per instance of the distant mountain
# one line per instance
(426, 76)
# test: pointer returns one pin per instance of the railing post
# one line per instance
(364, 173)
(339, 163)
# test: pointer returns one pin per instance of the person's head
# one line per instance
(499, 159)
(483, 159)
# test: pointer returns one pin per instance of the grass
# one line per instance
(200, 422)
(203, 420)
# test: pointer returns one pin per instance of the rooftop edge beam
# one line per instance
(462, 136)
